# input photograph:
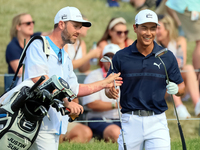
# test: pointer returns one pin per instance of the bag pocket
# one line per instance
(15, 141)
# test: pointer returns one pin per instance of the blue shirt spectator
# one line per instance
(14, 51)
(181, 5)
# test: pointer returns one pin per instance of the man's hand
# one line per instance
(109, 81)
(172, 88)
(75, 109)
(112, 93)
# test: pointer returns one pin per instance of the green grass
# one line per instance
(191, 144)
(43, 12)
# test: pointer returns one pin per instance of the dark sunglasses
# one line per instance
(109, 55)
(28, 23)
(120, 32)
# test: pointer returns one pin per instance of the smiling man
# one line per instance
(144, 85)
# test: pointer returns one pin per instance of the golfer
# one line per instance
(144, 85)
(67, 24)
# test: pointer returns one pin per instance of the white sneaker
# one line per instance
(182, 112)
(197, 109)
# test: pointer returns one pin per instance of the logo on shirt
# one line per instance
(149, 16)
(157, 65)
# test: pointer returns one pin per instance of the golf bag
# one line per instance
(21, 115)
(25, 106)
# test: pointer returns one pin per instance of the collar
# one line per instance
(54, 47)
(154, 51)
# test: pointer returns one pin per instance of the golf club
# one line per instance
(157, 55)
(107, 59)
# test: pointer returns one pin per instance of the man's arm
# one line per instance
(86, 89)
(173, 88)
(112, 93)
(181, 89)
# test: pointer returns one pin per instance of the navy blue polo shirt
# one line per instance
(144, 78)
(14, 51)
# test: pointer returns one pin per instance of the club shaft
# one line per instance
(179, 125)
(118, 107)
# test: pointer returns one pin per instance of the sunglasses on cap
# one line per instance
(28, 23)
(120, 32)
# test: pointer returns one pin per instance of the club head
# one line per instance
(105, 59)
(161, 52)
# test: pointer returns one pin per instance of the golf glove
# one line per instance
(172, 88)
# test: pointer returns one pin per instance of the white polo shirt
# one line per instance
(37, 64)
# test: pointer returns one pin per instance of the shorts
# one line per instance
(46, 141)
(191, 28)
(147, 132)
(98, 127)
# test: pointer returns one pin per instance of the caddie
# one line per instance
(67, 24)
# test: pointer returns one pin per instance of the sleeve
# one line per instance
(174, 71)
(72, 78)
(116, 66)
(12, 53)
(36, 60)
(92, 77)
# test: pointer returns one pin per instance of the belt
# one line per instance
(141, 113)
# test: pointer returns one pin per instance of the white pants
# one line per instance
(149, 132)
(46, 141)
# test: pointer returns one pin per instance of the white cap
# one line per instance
(145, 16)
(111, 48)
(116, 21)
(70, 14)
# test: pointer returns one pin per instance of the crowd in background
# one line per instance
(179, 21)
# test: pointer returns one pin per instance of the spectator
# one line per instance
(67, 24)
(167, 36)
(143, 4)
(189, 14)
(162, 9)
(76, 132)
(22, 28)
(102, 107)
(116, 32)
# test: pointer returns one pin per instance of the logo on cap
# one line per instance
(78, 16)
(64, 17)
(148, 15)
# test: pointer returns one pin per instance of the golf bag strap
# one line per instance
(46, 46)
(46, 49)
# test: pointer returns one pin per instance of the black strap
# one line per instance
(22, 59)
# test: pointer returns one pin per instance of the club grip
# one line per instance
(42, 78)
(64, 111)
